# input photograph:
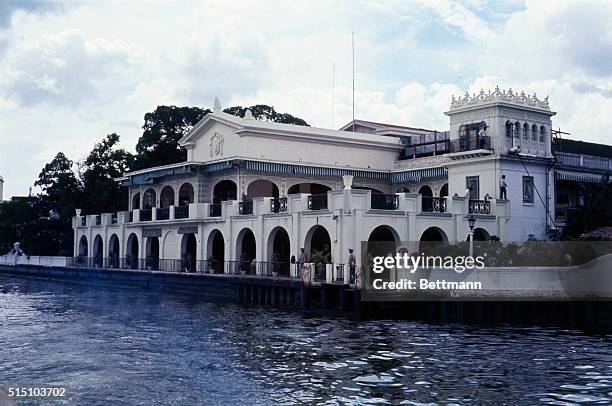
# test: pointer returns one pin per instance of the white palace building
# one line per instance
(252, 194)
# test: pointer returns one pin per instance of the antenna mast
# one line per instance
(333, 93)
(353, 43)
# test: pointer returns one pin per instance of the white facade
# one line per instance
(1, 188)
(240, 171)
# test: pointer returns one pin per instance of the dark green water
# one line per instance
(114, 346)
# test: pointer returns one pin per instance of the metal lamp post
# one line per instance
(471, 223)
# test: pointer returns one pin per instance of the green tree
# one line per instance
(165, 126)
(162, 130)
(60, 186)
(99, 171)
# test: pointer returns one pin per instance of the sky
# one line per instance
(72, 72)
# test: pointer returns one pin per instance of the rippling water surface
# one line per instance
(122, 346)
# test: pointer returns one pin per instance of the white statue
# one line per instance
(16, 252)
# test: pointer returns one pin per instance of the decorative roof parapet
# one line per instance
(499, 96)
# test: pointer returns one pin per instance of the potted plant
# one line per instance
(275, 264)
(210, 265)
(244, 264)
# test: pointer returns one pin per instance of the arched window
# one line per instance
(534, 132)
(525, 131)
(136, 201)
(542, 133)
(508, 129)
(149, 199)
(517, 129)
(186, 194)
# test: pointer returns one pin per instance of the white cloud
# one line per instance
(69, 77)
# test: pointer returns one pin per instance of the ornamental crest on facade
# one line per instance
(216, 145)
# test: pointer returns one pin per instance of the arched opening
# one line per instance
(98, 251)
(225, 190)
(279, 252)
(534, 132)
(318, 245)
(431, 240)
(131, 256)
(310, 188)
(508, 129)
(166, 197)
(189, 252)
(113, 251)
(383, 241)
(152, 252)
(136, 201)
(444, 190)
(83, 249)
(525, 131)
(516, 130)
(216, 252)
(246, 249)
(186, 194)
(542, 133)
(148, 199)
(480, 234)
(383, 234)
(262, 188)
(427, 202)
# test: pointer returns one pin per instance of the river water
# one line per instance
(114, 346)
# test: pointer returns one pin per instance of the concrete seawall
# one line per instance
(235, 288)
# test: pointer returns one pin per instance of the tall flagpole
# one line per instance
(353, 43)
(333, 93)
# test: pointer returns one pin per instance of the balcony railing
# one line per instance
(479, 207)
(470, 144)
(131, 217)
(83, 221)
(181, 212)
(245, 208)
(317, 202)
(434, 204)
(278, 205)
(163, 214)
(215, 210)
(146, 214)
(584, 161)
(114, 218)
(268, 268)
(98, 219)
(384, 202)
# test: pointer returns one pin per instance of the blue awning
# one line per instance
(418, 175)
(580, 176)
(273, 167)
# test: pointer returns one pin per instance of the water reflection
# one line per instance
(127, 346)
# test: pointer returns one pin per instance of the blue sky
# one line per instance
(72, 72)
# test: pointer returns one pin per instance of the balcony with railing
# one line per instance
(278, 205)
(584, 161)
(214, 210)
(384, 201)
(245, 208)
(181, 212)
(163, 214)
(432, 204)
(317, 202)
(479, 207)
(146, 214)
(470, 144)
